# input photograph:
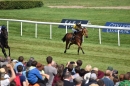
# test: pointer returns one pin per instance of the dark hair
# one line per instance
(77, 69)
(67, 75)
(70, 67)
(127, 76)
(21, 58)
(100, 82)
(34, 63)
(20, 68)
(79, 62)
(82, 72)
(49, 59)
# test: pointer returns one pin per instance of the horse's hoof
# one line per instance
(83, 53)
(64, 51)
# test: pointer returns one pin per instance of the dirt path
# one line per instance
(119, 7)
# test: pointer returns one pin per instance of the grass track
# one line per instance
(102, 56)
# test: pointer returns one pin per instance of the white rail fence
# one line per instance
(66, 24)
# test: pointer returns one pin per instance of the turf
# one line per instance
(101, 56)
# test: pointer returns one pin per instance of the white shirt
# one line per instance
(5, 82)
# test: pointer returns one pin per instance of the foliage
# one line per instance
(20, 4)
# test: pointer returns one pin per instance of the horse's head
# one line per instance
(4, 32)
(85, 32)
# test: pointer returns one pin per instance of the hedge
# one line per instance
(20, 4)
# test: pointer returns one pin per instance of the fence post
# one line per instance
(21, 28)
(8, 27)
(66, 28)
(50, 31)
(118, 37)
(35, 30)
(99, 35)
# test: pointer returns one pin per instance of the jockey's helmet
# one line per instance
(3, 27)
(78, 24)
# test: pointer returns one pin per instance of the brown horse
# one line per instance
(76, 40)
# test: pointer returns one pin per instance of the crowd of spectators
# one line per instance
(32, 73)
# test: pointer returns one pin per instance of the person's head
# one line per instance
(78, 80)
(93, 76)
(93, 84)
(77, 69)
(59, 70)
(49, 59)
(70, 67)
(110, 68)
(59, 83)
(2, 73)
(21, 59)
(34, 63)
(67, 75)
(78, 24)
(100, 82)
(126, 76)
(108, 73)
(39, 66)
(82, 72)
(88, 68)
(20, 68)
(121, 77)
(79, 63)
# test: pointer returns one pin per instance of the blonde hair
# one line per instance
(88, 67)
(94, 84)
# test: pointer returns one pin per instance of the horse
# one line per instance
(76, 40)
(4, 40)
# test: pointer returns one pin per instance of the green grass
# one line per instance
(101, 56)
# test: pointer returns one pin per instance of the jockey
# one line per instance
(76, 28)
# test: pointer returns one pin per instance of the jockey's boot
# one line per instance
(73, 36)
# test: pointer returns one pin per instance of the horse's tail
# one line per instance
(64, 38)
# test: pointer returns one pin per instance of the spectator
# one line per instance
(100, 74)
(34, 76)
(107, 80)
(93, 79)
(88, 69)
(78, 81)
(23, 80)
(59, 83)
(94, 84)
(40, 67)
(6, 81)
(121, 77)
(79, 63)
(67, 78)
(126, 81)
(77, 71)
(58, 76)
(100, 82)
(50, 70)
(20, 62)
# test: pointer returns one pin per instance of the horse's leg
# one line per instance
(82, 50)
(8, 49)
(3, 50)
(79, 47)
(69, 45)
(67, 42)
